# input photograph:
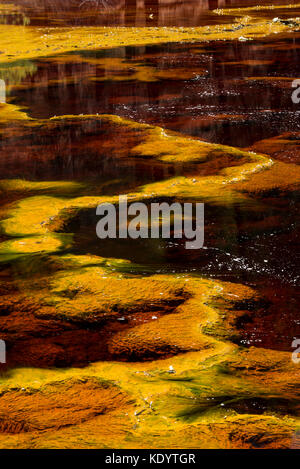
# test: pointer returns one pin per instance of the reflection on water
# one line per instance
(188, 13)
(119, 12)
(235, 94)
